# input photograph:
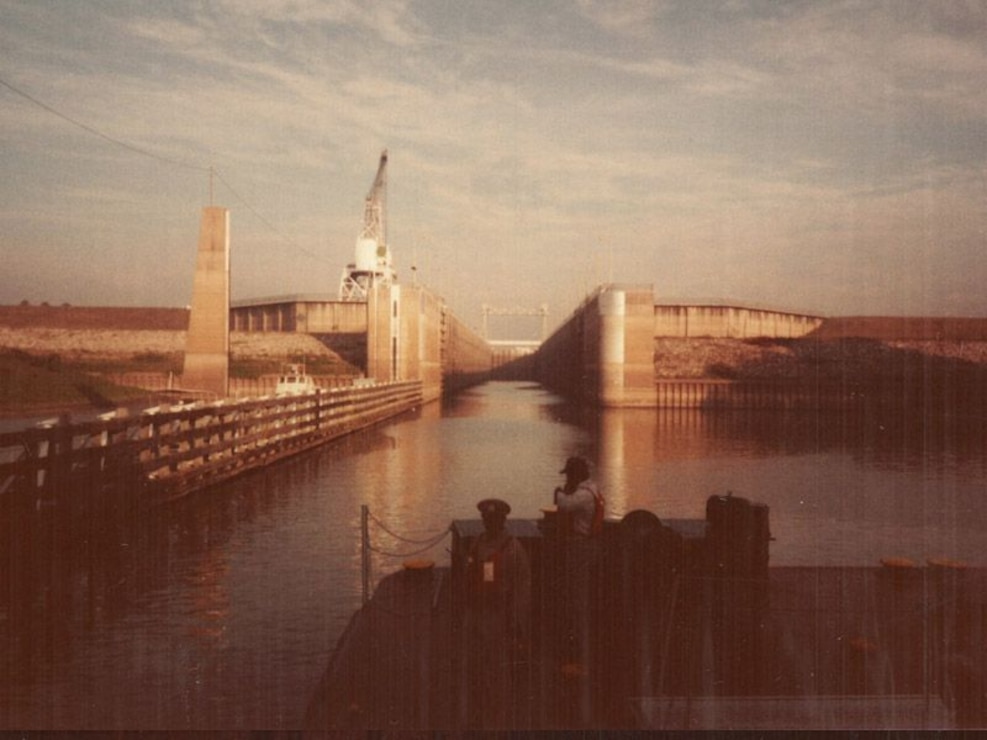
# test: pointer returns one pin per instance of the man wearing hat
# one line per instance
(498, 617)
(580, 505)
(578, 500)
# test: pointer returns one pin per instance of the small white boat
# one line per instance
(294, 381)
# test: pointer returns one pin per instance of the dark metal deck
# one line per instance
(807, 648)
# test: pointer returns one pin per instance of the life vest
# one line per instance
(486, 580)
(596, 522)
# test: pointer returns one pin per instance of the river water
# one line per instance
(221, 611)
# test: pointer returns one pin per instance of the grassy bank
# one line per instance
(34, 384)
(57, 367)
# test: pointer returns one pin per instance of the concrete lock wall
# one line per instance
(412, 336)
(406, 337)
(604, 353)
(381, 304)
(428, 363)
(408, 330)
(635, 326)
(560, 361)
(732, 322)
(310, 314)
(467, 358)
(322, 317)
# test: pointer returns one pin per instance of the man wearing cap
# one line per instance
(580, 507)
(498, 582)
(578, 499)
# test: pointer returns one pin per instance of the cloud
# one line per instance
(717, 148)
(625, 18)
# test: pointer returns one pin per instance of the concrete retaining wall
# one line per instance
(467, 358)
(604, 353)
(312, 315)
(732, 322)
(412, 336)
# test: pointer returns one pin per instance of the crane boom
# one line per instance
(372, 264)
(375, 206)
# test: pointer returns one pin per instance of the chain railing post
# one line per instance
(365, 551)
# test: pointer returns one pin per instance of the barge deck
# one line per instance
(680, 643)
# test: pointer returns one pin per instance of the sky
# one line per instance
(827, 158)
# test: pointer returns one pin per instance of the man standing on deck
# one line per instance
(579, 501)
(498, 613)
(580, 507)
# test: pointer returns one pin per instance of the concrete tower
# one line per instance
(207, 346)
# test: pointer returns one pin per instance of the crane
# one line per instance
(372, 261)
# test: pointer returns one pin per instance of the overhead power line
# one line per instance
(160, 158)
(100, 134)
(264, 221)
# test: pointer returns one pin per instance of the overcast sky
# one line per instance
(824, 157)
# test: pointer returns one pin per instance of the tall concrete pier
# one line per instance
(207, 346)
(625, 338)
(604, 353)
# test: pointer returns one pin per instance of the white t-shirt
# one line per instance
(580, 505)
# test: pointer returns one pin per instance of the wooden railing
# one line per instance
(171, 451)
(238, 387)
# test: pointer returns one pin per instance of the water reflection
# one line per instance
(220, 611)
(178, 617)
(842, 489)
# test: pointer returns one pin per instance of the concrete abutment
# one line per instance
(207, 345)
(604, 353)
